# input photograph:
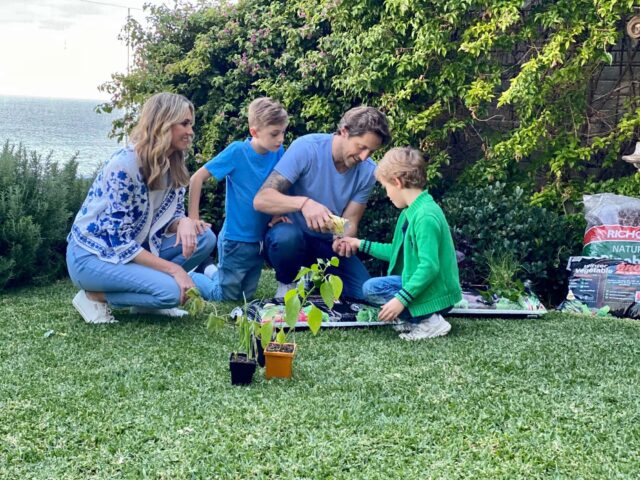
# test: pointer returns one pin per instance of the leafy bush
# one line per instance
(496, 220)
(445, 73)
(38, 200)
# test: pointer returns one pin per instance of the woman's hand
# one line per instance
(201, 226)
(187, 234)
(390, 310)
(184, 282)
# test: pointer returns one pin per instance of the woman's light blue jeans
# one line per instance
(379, 290)
(133, 285)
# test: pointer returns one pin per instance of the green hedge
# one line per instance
(438, 69)
(497, 219)
(38, 200)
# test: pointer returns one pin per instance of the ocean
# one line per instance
(62, 127)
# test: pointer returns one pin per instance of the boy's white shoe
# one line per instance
(165, 312)
(91, 310)
(210, 271)
(434, 326)
(403, 327)
(283, 288)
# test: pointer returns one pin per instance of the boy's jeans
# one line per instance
(289, 248)
(239, 269)
(379, 290)
(133, 285)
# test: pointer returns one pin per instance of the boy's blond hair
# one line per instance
(405, 164)
(264, 111)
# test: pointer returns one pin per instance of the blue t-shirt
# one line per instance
(308, 165)
(245, 171)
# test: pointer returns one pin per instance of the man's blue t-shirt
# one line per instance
(245, 171)
(308, 165)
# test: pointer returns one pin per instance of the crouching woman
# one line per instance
(131, 244)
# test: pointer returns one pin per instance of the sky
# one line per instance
(63, 48)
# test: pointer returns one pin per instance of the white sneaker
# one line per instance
(165, 312)
(403, 327)
(283, 288)
(210, 271)
(434, 326)
(91, 310)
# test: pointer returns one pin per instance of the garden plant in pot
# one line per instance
(279, 353)
(242, 361)
(242, 365)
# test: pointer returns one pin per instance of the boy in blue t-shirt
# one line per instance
(245, 166)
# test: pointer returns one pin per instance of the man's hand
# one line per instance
(390, 310)
(318, 216)
(346, 246)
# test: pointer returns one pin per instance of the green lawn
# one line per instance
(556, 397)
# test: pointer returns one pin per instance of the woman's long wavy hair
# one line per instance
(151, 138)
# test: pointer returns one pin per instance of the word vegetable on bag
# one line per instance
(602, 286)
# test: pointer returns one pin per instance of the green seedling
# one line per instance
(330, 288)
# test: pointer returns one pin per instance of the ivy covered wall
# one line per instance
(490, 90)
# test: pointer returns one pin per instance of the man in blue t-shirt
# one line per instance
(244, 165)
(322, 175)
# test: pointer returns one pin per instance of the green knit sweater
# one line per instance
(426, 258)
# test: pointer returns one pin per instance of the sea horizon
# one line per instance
(52, 97)
(61, 127)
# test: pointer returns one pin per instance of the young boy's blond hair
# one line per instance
(264, 112)
(405, 164)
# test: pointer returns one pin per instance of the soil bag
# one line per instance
(602, 286)
(613, 227)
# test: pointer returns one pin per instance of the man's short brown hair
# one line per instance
(264, 111)
(361, 120)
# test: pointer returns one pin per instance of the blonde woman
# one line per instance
(131, 244)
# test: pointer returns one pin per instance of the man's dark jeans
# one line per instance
(288, 248)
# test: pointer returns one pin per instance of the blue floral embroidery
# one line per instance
(116, 210)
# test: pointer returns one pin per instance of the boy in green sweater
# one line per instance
(422, 281)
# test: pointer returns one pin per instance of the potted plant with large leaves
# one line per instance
(280, 352)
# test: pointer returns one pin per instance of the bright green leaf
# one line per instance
(326, 292)
(292, 310)
(336, 285)
(315, 319)
(303, 271)
(266, 332)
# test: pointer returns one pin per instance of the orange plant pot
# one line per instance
(279, 364)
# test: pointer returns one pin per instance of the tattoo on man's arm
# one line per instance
(277, 182)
